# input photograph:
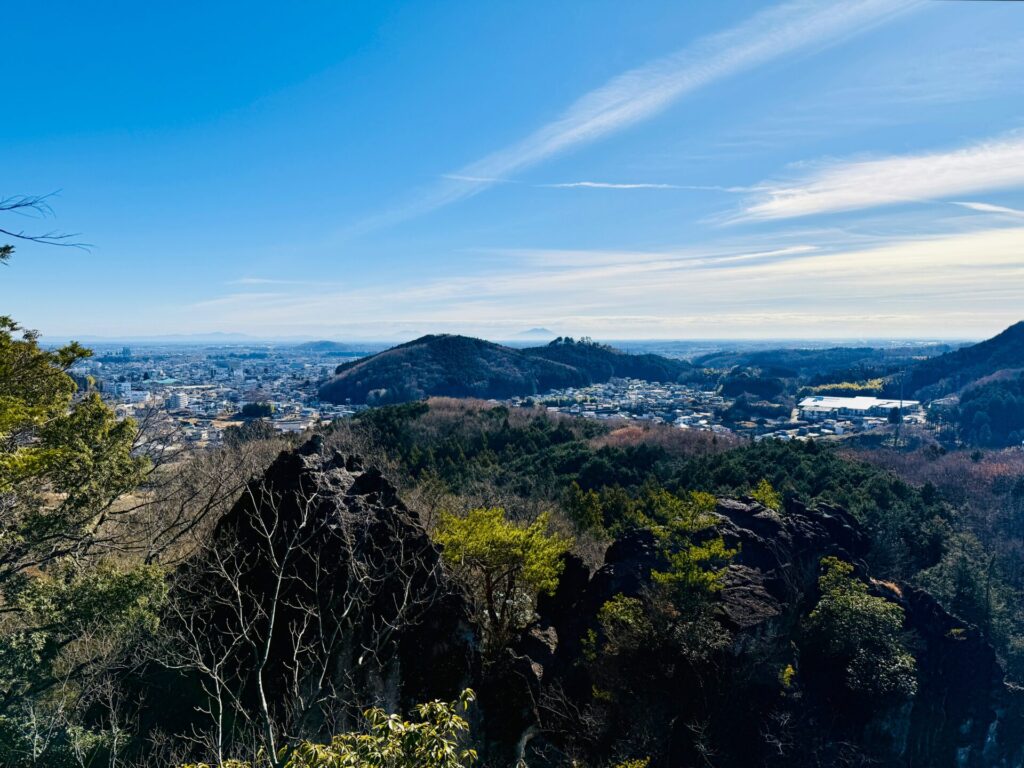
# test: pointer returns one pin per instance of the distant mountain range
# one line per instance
(461, 366)
(536, 333)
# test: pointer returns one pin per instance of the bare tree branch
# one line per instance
(37, 207)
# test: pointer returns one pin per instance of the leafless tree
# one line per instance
(291, 618)
(186, 491)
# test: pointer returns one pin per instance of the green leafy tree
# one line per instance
(257, 410)
(665, 638)
(584, 508)
(860, 634)
(65, 461)
(67, 614)
(434, 739)
(505, 564)
(767, 495)
(250, 431)
(694, 567)
(963, 582)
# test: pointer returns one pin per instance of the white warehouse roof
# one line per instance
(829, 403)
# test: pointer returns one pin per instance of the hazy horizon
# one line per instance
(242, 339)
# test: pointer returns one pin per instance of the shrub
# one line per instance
(860, 634)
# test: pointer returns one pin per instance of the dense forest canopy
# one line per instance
(992, 414)
(955, 370)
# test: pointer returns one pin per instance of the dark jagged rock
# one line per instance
(573, 580)
(744, 603)
(626, 571)
(960, 682)
(363, 550)
(323, 585)
(509, 695)
(963, 715)
(393, 631)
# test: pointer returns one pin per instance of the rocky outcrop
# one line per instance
(963, 710)
(963, 715)
(344, 551)
(323, 594)
(320, 595)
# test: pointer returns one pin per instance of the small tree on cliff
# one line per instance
(767, 495)
(860, 634)
(506, 565)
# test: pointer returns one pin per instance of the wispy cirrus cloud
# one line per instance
(274, 281)
(477, 179)
(989, 208)
(646, 91)
(260, 281)
(641, 185)
(840, 288)
(859, 184)
(599, 184)
(609, 185)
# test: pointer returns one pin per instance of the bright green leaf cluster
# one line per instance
(434, 739)
(504, 563)
(767, 495)
(695, 569)
(862, 632)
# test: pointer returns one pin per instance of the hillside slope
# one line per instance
(453, 366)
(600, 362)
(460, 366)
(953, 371)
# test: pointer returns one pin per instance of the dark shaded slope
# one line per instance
(955, 370)
(823, 365)
(460, 366)
(446, 365)
(600, 363)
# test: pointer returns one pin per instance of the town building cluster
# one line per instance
(826, 416)
(684, 405)
(197, 392)
(689, 406)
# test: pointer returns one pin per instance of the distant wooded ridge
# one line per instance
(461, 366)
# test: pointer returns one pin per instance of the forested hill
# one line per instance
(955, 370)
(821, 365)
(460, 366)
(601, 362)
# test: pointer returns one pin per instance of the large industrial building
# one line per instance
(827, 407)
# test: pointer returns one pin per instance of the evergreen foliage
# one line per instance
(433, 739)
(859, 635)
(65, 461)
(506, 565)
(992, 414)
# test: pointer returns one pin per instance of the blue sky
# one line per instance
(371, 170)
